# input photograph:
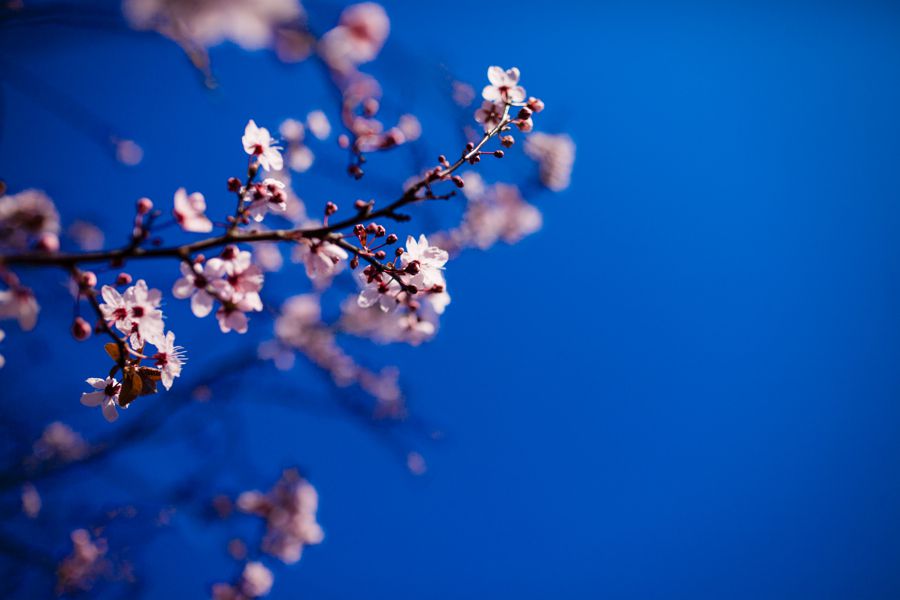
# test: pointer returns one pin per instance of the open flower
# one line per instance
(259, 143)
(244, 278)
(232, 315)
(190, 212)
(169, 359)
(19, 303)
(490, 114)
(135, 313)
(265, 197)
(196, 282)
(504, 86)
(322, 259)
(429, 261)
(106, 396)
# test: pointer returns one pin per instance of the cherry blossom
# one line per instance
(322, 259)
(20, 304)
(2, 358)
(428, 261)
(190, 212)
(318, 124)
(358, 38)
(504, 86)
(135, 313)
(196, 282)
(259, 143)
(106, 396)
(383, 294)
(232, 315)
(289, 509)
(256, 580)
(244, 278)
(205, 23)
(78, 571)
(267, 196)
(59, 442)
(555, 155)
(169, 359)
(490, 114)
(27, 217)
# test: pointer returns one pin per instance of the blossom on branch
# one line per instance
(258, 142)
(190, 212)
(106, 396)
(504, 86)
(28, 220)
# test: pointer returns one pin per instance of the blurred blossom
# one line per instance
(358, 38)
(60, 443)
(318, 124)
(128, 152)
(494, 213)
(415, 462)
(268, 256)
(79, 570)
(31, 501)
(86, 235)
(289, 510)
(26, 217)
(249, 23)
(463, 94)
(555, 155)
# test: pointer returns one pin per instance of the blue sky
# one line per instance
(685, 386)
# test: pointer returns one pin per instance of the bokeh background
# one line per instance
(685, 386)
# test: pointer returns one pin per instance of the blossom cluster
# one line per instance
(289, 510)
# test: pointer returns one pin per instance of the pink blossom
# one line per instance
(106, 396)
(358, 38)
(169, 359)
(196, 283)
(555, 155)
(244, 278)
(267, 196)
(322, 259)
(490, 114)
(318, 124)
(504, 86)
(232, 315)
(19, 303)
(80, 569)
(259, 143)
(25, 218)
(256, 580)
(190, 212)
(135, 313)
(289, 509)
(31, 501)
(59, 442)
(429, 260)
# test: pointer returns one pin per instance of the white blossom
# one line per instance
(190, 212)
(259, 143)
(106, 396)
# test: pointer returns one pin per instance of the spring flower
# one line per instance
(256, 580)
(25, 218)
(244, 278)
(384, 294)
(318, 124)
(190, 212)
(19, 303)
(79, 570)
(268, 196)
(59, 442)
(430, 261)
(555, 155)
(196, 282)
(258, 142)
(106, 396)
(169, 359)
(358, 38)
(504, 86)
(135, 313)
(490, 114)
(322, 259)
(232, 315)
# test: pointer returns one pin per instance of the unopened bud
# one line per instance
(123, 279)
(524, 113)
(412, 268)
(354, 262)
(234, 184)
(330, 208)
(507, 141)
(498, 153)
(355, 171)
(144, 205)
(391, 239)
(458, 181)
(535, 104)
(81, 329)
(88, 280)
(380, 255)
(48, 242)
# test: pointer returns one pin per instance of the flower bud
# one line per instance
(458, 181)
(498, 153)
(380, 255)
(88, 280)
(354, 262)
(370, 107)
(507, 141)
(234, 184)
(48, 242)
(355, 171)
(391, 239)
(343, 141)
(81, 329)
(524, 113)
(330, 208)
(412, 268)
(535, 105)
(123, 279)
(144, 205)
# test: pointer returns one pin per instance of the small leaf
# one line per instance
(131, 388)
(112, 349)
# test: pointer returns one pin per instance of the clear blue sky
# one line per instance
(685, 386)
